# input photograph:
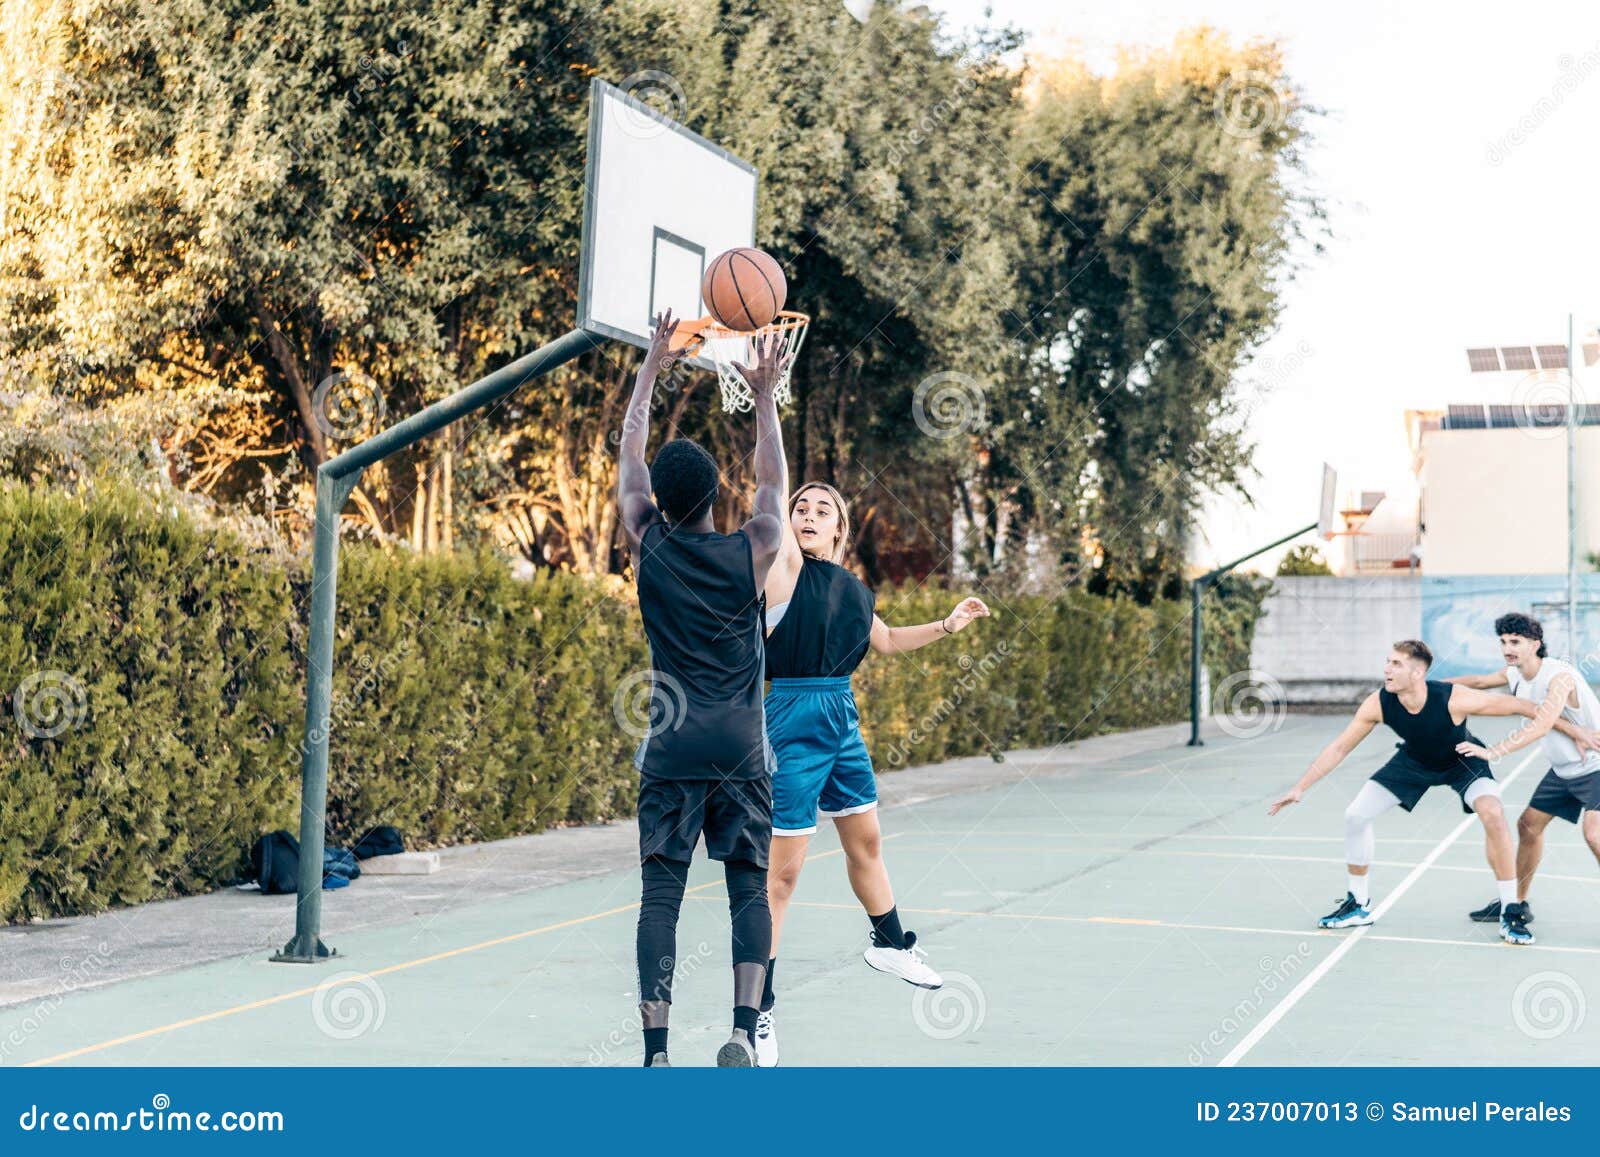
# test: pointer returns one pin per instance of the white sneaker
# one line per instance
(910, 963)
(766, 1042)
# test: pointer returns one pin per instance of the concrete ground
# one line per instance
(1122, 901)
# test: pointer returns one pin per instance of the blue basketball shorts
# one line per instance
(822, 762)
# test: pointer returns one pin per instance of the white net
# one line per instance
(727, 347)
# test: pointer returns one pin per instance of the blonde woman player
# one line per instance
(820, 623)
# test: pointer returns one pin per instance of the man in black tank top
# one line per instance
(704, 767)
(1430, 719)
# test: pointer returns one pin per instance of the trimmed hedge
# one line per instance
(151, 674)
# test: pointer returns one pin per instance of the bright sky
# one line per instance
(1436, 247)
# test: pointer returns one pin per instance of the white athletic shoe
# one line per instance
(910, 963)
(766, 1041)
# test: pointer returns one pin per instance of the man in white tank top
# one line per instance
(1570, 790)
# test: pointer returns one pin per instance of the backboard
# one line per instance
(1330, 485)
(661, 202)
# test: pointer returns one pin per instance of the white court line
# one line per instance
(1326, 965)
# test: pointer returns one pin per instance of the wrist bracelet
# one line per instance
(945, 623)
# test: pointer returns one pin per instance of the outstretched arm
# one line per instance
(634, 505)
(1481, 682)
(1368, 716)
(1542, 718)
(767, 527)
(887, 640)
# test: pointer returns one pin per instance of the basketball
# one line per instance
(744, 289)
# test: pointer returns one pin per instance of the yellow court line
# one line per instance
(1315, 933)
(299, 992)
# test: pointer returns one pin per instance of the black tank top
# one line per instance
(703, 616)
(1430, 736)
(827, 628)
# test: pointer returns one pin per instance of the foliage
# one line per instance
(1304, 559)
(152, 664)
(250, 201)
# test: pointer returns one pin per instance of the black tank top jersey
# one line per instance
(1430, 736)
(826, 629)
(703, 616)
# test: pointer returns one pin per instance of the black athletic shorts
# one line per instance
(734, 815)
(1410, 779)
(1567, 799)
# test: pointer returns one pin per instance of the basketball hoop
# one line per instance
(706, 337)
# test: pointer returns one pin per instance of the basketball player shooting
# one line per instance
(705, 767)
(1430, 718)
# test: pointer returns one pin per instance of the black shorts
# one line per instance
(1567, 799)
(1410, 779)
(735, 816)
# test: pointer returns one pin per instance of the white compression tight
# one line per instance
(1371, 802)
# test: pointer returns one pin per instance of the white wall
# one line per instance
(1325, 639)
(1495, 501)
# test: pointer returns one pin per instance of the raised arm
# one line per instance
(1367, 716)
(1542, 718)
(635, 507)
(887, 640)
(767, 527)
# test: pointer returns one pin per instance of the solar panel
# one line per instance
(1552, 357)
(1589, 414)
(1550, 413)
(1502, 417)
(1481, 360)
(1518, 357)
(1464, 418)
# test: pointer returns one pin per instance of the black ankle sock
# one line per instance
(767, 998)
(745, 1018)
(655, 1041)
(886, 931)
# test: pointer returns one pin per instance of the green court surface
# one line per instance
(1139, 911)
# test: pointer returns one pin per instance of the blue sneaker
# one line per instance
(1349, 914)
(1514, 925)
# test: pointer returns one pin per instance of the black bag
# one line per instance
(384, 841)
(275, 861)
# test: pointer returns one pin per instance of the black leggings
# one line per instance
(664, 882)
